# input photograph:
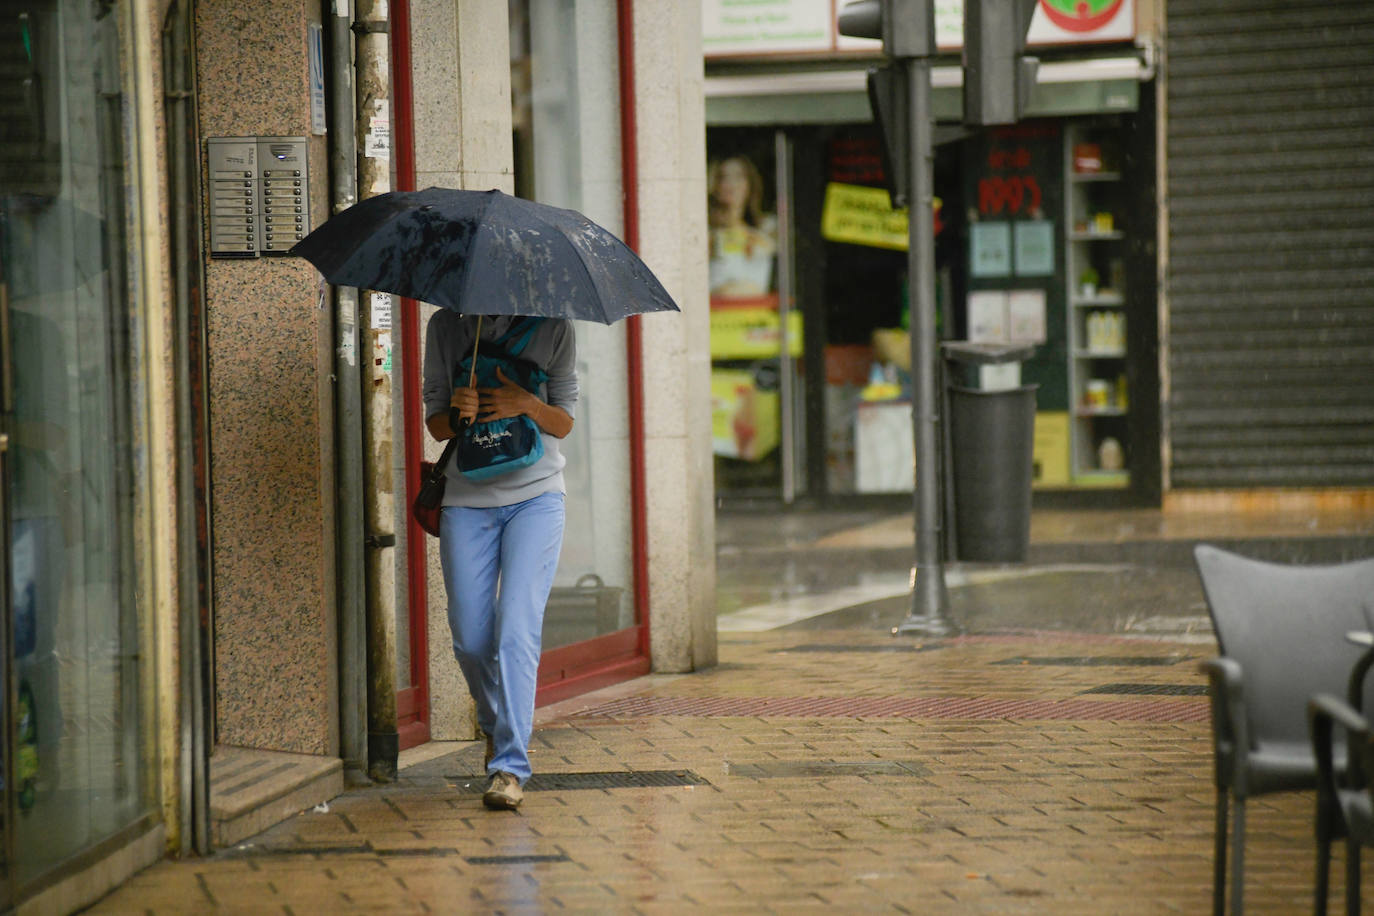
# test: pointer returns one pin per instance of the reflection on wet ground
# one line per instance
(1124, 572)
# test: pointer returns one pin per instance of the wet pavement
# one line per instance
(1055, 758)
(1127, 572)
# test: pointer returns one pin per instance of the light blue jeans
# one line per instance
(498, 569)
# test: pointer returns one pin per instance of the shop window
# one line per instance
(75, 770)
(566, 117)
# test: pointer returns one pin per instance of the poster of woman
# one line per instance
(743, 237)
(744, 334)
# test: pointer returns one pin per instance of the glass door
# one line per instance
(565, 112)
(6, 622)
(756, 330)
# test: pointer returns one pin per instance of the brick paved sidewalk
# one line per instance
(832, 770)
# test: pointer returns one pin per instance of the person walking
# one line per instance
(501, 531)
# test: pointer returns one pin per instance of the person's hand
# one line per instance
(510, 400)
(466, 401)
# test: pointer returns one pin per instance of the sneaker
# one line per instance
(503, 792)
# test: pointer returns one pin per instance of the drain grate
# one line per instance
(1095, 661)
(1152, 690)
(619, 779)
(514, 860)
(1129, 710)
(864, 647)
(818, 769)
(253, 850)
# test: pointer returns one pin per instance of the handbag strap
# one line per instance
(444, 458)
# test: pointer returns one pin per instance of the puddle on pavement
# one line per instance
(1102, 599)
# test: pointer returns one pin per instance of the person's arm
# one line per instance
(510, 400)
(439, 396)
(440, 424)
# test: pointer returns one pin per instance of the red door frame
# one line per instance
(412, 700)
(568, 670)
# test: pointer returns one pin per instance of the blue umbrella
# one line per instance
(484, 252)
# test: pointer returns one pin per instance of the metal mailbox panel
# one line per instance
(259, 195)
(284, 191)
(234, 207)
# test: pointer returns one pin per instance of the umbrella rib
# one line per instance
(391, 217)
(601, 302)
(465, 286)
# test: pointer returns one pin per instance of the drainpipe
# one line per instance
(374, 177)
(188, 342)
(352, 585)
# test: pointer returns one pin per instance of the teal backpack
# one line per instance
(494, 447)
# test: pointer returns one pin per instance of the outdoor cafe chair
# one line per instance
(1344, 804)
(1282, 634)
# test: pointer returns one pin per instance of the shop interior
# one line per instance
(1044, 234)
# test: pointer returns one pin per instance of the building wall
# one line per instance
(671, 121)
(271, 413)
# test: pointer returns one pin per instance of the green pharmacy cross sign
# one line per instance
(1080, 15)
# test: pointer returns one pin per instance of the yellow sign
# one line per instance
(862, 216)
(1051, 449)
(751, 332)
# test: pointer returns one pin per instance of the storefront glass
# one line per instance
(565, 95)
(756, 405)
(74, 771)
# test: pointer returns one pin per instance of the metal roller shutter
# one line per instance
(1270, 122)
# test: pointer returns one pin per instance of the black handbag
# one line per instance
(429, 502)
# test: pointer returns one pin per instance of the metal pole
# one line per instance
(787, 389)
(352, 584)
(374, 177)
(929, 600)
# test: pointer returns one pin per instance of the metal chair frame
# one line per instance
(1282, 634)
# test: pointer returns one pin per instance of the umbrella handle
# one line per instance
(472, 374)
(476, 339)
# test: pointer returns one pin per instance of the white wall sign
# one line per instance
(377, 142)
(317, 101)
(731, 27)
(741, 28)
(381, 312)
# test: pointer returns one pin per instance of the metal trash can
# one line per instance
(991, 440)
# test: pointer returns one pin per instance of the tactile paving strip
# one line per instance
(1172, 710)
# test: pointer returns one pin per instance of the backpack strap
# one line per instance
(518, 335)
(506, 349)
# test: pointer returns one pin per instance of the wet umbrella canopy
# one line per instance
(484, 252)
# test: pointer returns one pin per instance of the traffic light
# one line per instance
(998, 77)
(907, 30)
(907, 27)
(887, 96)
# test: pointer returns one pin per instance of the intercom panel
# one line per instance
(259, 195)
